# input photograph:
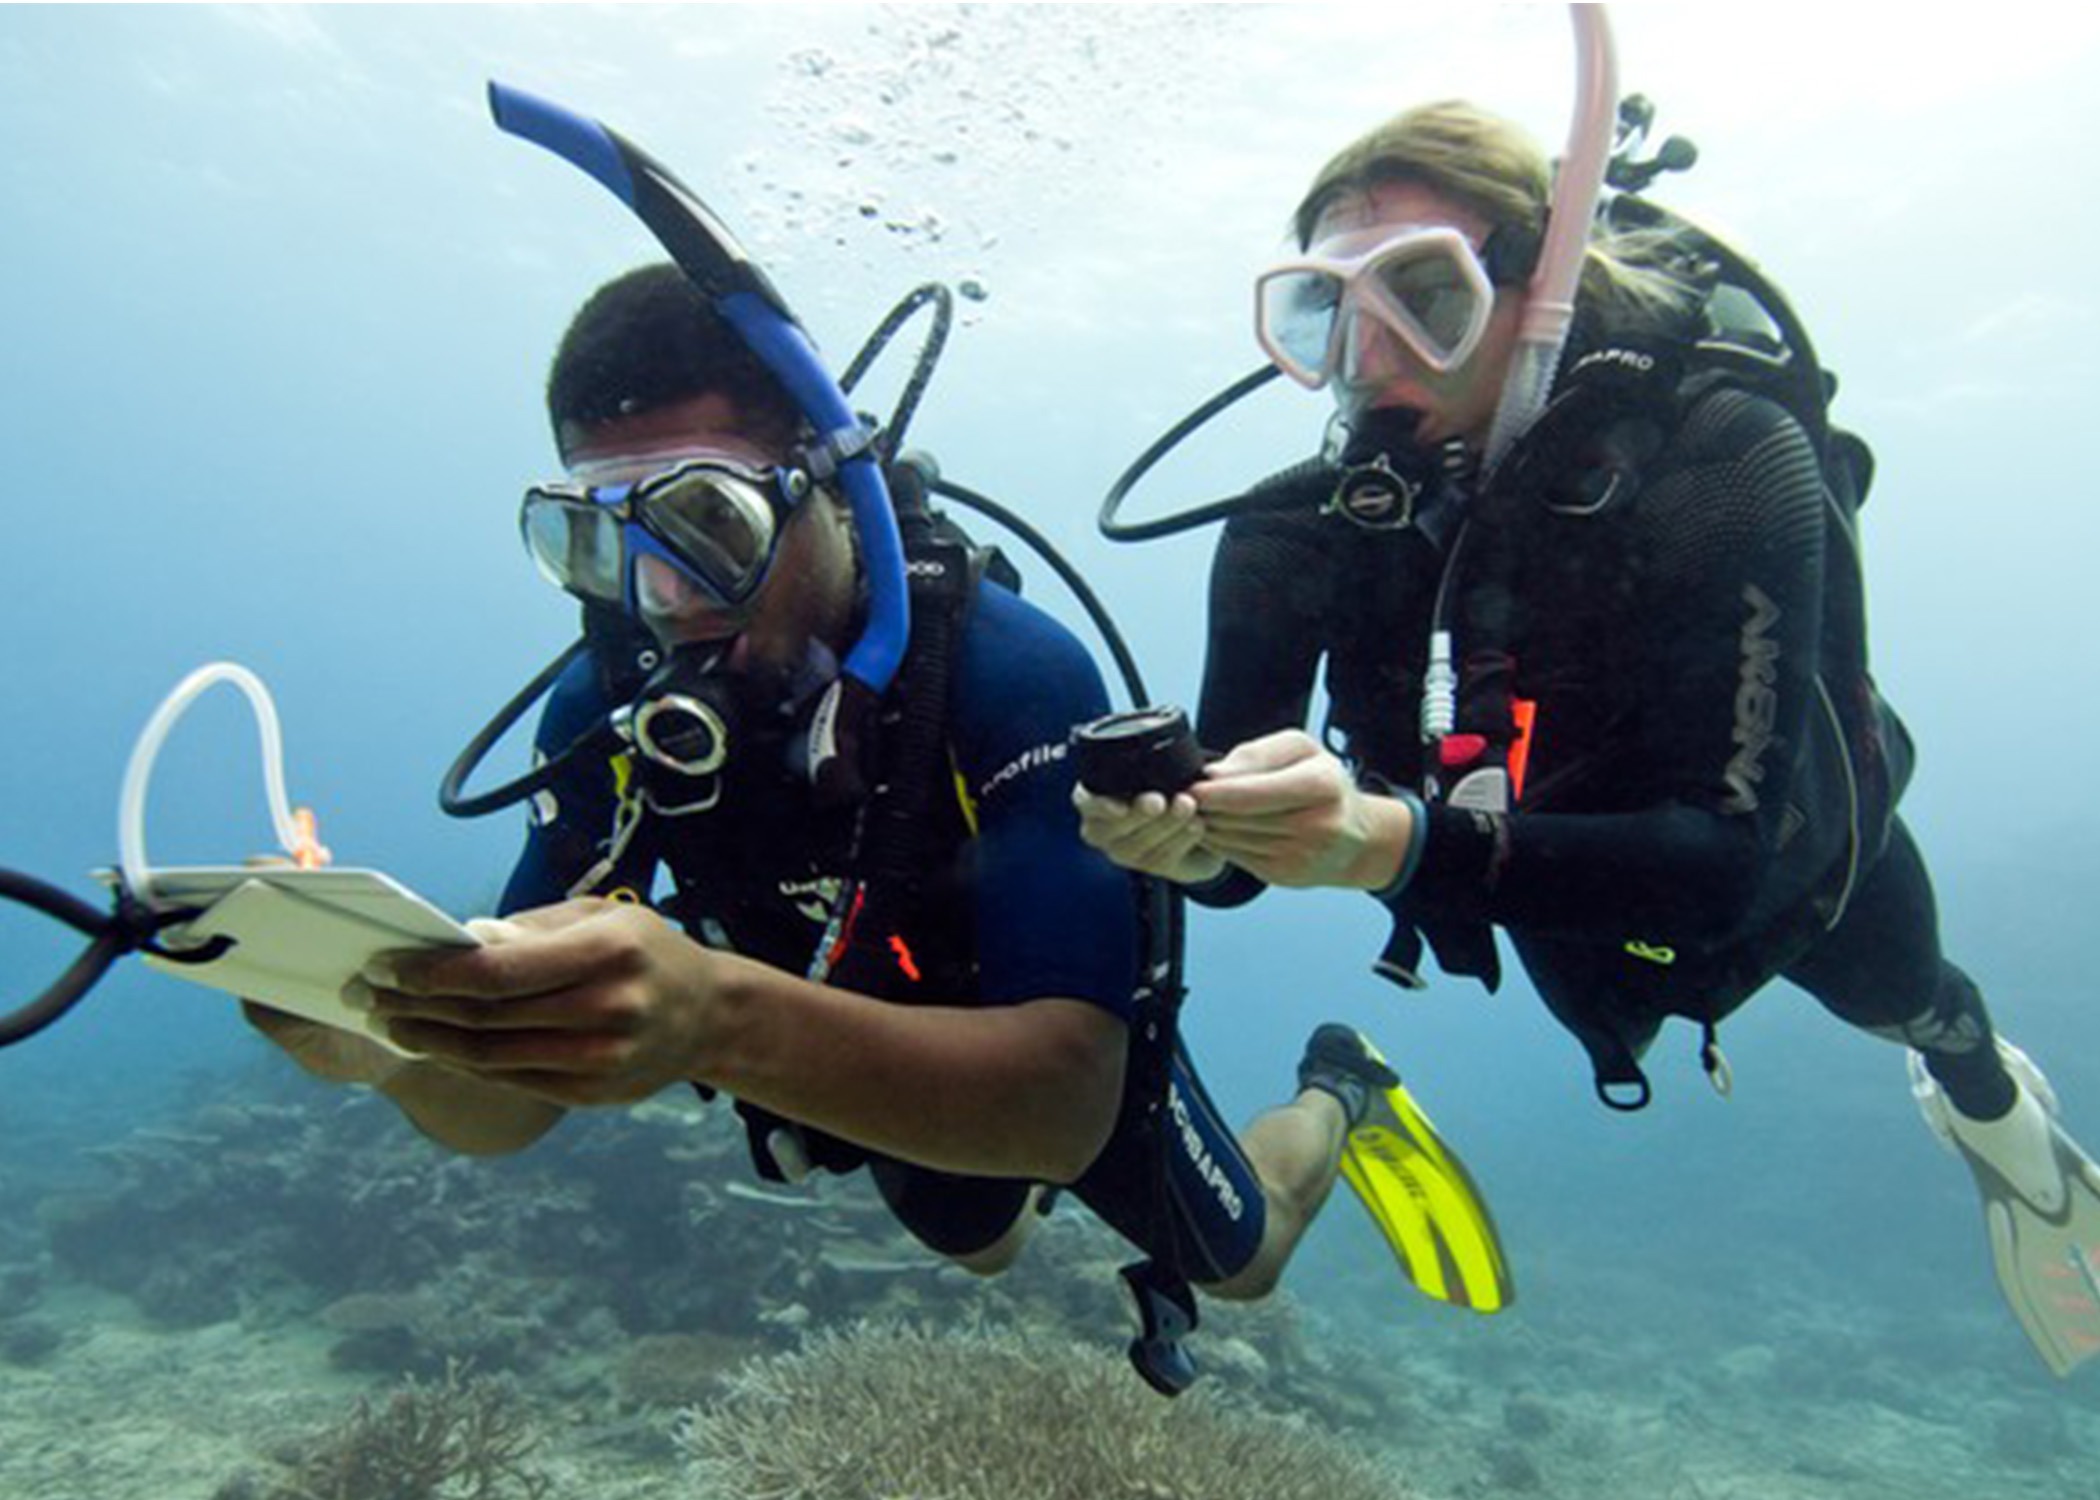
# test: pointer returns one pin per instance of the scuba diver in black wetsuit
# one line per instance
(1599, 680)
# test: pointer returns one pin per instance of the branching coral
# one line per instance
(872, 1411)
(459, 1439)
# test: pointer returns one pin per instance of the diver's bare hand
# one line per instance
(324, 1051)
(1284, 808)
(588, 1002)
(1153, 834)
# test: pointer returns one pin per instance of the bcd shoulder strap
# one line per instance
(898, 829)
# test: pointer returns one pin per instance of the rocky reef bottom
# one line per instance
(295, 1298)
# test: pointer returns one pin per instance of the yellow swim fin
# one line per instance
(1425, 1203)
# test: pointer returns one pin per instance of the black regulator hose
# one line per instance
(110, 943)
(1097, 612)
(128, 927)
(1118, 530)
(923, 364)
(452, 793)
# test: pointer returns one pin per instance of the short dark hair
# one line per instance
(648, 338)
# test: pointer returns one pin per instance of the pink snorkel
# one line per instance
(1549, 304)
(1549, 308)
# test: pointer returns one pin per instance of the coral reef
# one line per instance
(458, 1439)
(326, 1204)
(312, 1205)
(28, 1341)
(628, 1267)
(876, 1410)
(21, 1288)
(674, 1370)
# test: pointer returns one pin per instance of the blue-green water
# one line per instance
(275, 303)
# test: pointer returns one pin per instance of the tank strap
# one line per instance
(1165, 1300)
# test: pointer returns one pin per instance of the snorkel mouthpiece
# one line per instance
(741, 294)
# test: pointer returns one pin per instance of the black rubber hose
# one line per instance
(452, 795)
(1104, 623)
(1217, 510)
(113, 938)
(923, 364)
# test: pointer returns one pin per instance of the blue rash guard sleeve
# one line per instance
(1054, 917)
(570, 817)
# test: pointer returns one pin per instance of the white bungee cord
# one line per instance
(294, 829)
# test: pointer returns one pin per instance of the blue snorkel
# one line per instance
(745, 299)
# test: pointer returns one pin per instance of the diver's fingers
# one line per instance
(555, 918)
(1174, 823)
(1282, 821)
(1104, 812)
(328, 1053)
(1116, 827)
(1245, 835)
(509, 1052)
(1153, 835)
(571, 1089)
(1266, 855)
(1172, 856)
(597, 1007)
(279, 1026)
(1272, 752)
(1299, 787)
(1094, 804)
(553, 949)
(1158, 830)
(1280, 773)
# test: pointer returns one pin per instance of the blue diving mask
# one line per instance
(709, 524)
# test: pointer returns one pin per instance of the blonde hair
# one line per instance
(1489, 166)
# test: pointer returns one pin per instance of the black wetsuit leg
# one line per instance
(1192, 1200)
(1882, 970)
(948, 1213)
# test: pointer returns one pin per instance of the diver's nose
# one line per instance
(676, 610)
(1371, 353)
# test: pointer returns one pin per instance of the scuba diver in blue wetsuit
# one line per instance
(1597, 673)
(912, 965)
(808, 700)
